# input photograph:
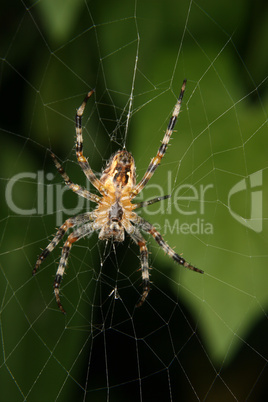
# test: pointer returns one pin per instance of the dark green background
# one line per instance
(196, 337)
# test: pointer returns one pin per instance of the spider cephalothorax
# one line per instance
(114, 210)
(114, 215)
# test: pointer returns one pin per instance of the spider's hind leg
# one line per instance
(140, 241)
(61, 268)
(77, 234)
(147, 227)
(144, 272)
(57, 238)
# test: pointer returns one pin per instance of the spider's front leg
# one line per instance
(162, 150)
(83, 162)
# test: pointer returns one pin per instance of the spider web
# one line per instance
(196, 337)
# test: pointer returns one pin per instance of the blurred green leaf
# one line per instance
(59, 18)
(210, 148)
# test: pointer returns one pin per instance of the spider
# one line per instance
(114, 214)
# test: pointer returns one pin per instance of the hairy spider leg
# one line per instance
(150, 202)
(161, 151)
(147, 227)
(76, 235)
(141, 242)
(83, 162)
(71, 222)
(74, 187)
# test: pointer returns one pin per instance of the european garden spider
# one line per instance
(114, 214)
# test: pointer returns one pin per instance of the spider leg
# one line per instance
(150, 202)
(161, 151)
(147, 227)
(83, 162)
(76, 235)
(140, 241)
(74, 187)
(59, 235)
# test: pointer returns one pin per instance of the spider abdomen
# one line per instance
(112, 231)
(120, 171)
